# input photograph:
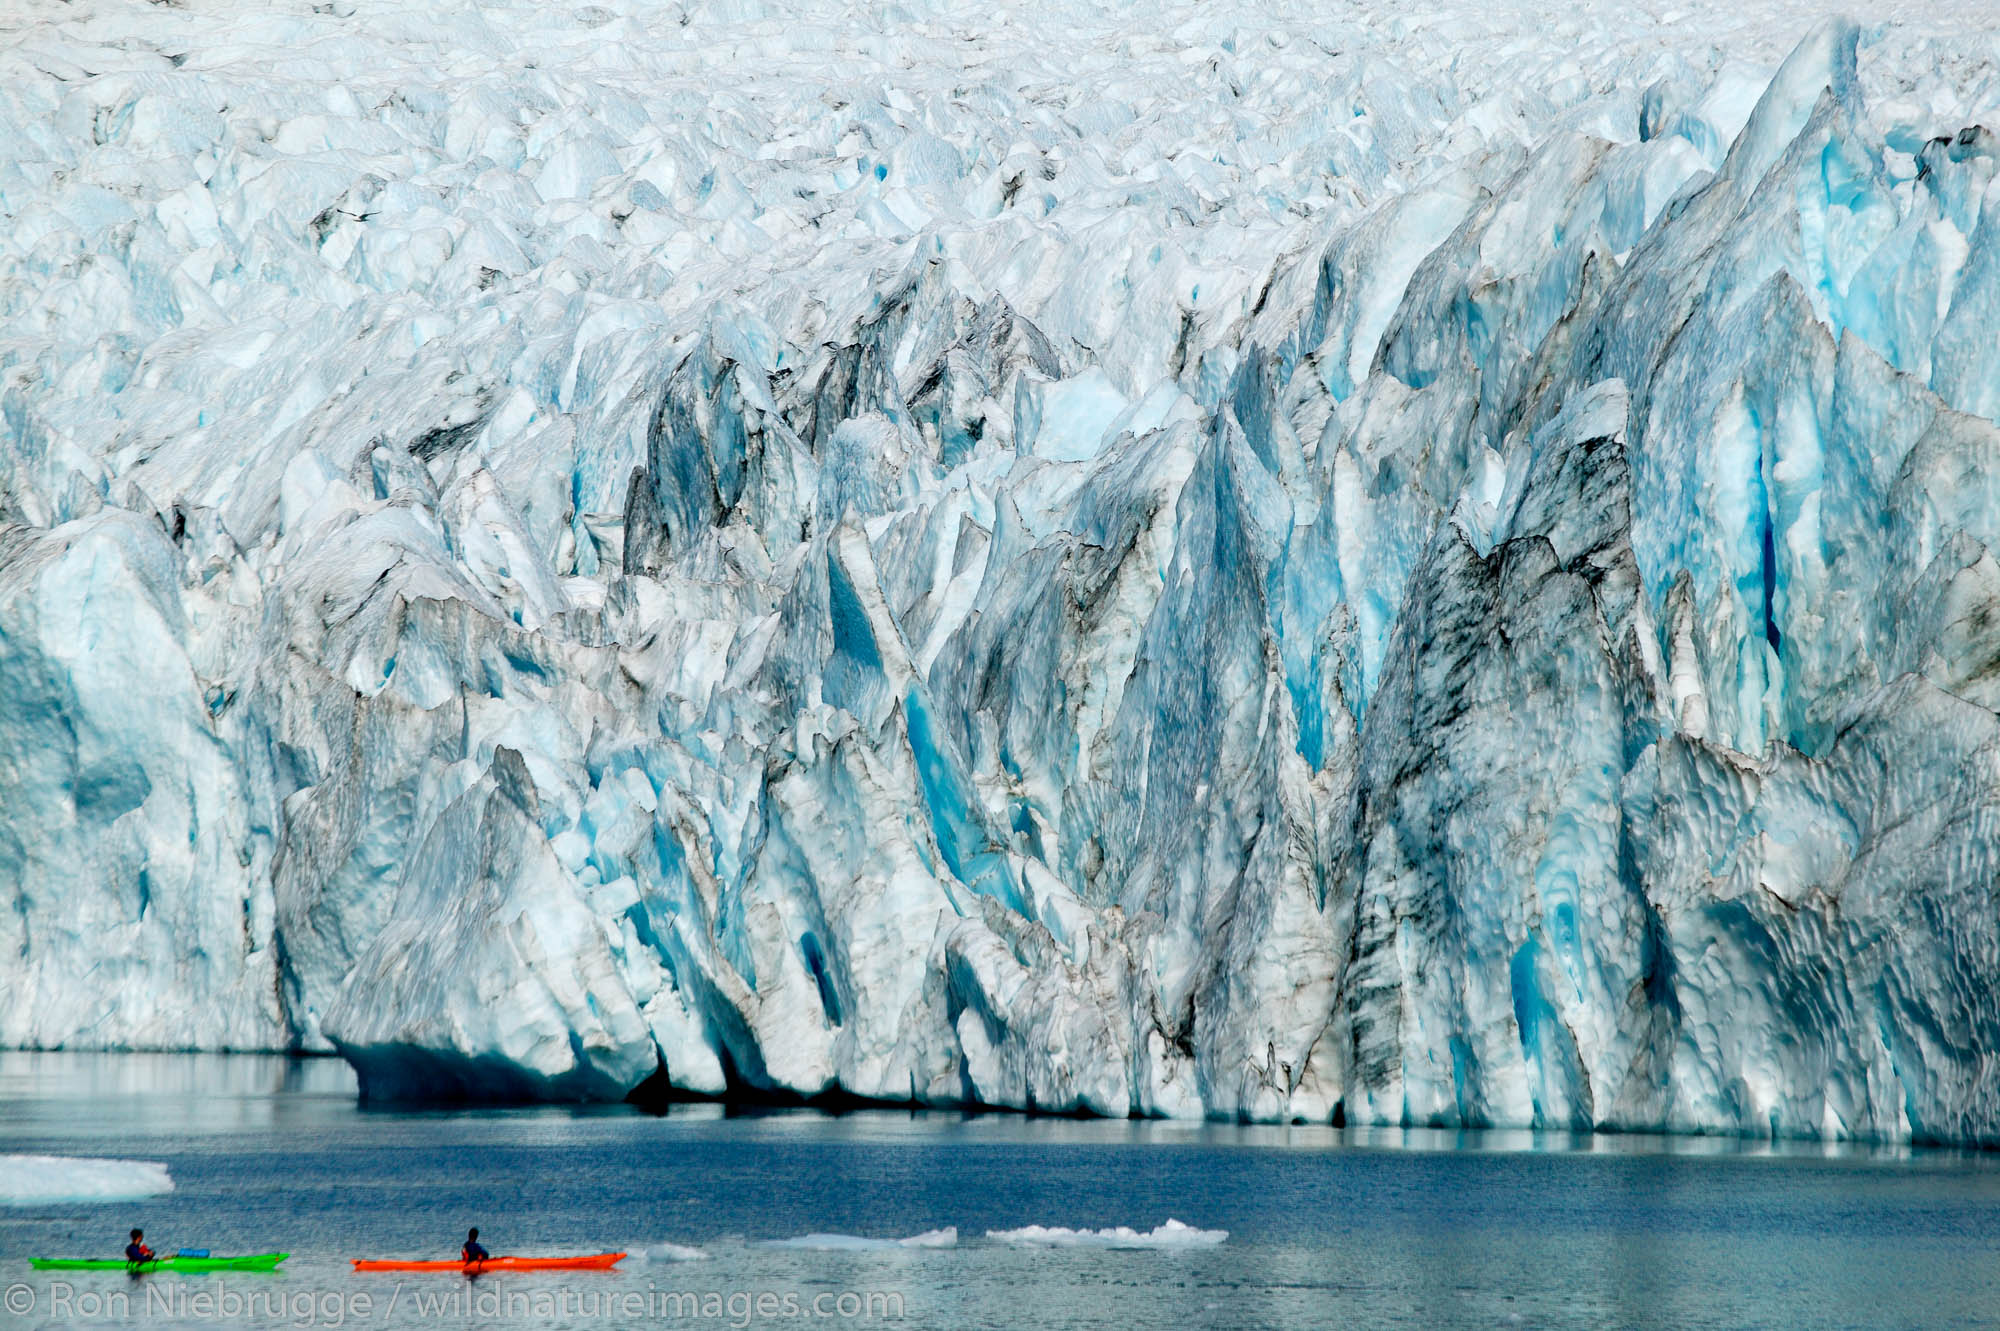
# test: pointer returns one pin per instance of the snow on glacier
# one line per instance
(1299, 562)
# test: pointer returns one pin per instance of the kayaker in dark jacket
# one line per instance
(472, 1252)
(136, 1250)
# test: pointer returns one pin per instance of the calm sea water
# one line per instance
(1347, 1230)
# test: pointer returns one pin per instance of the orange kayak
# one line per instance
(602, 1261)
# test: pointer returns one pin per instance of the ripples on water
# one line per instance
(1327, 1228)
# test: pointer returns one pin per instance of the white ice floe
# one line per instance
(930, 1238)
(29, 1179)
(1173, 1234)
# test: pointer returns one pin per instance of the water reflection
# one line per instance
(195, 1093)
(221, 1091)
(59, 1075)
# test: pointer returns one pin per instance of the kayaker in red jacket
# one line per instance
(472, 1252)
(136, 1250)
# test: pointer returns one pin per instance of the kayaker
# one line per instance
(136, 1250)
(472, 1252)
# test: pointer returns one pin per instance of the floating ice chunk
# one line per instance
(27, 1180)
(930, 1238)
(1173, 1234)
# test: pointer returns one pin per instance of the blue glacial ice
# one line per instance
(1297, 567)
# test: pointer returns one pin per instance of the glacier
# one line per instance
(1304, 563)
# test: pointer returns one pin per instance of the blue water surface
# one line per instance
(1326, 1228)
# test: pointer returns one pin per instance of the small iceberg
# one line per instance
(28, 1180)
(1173, 1234)
(930, 1238)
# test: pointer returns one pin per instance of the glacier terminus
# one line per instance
(1288, 562)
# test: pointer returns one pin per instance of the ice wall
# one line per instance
(1250, 569)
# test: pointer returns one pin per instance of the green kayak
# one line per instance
(263, 1261)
